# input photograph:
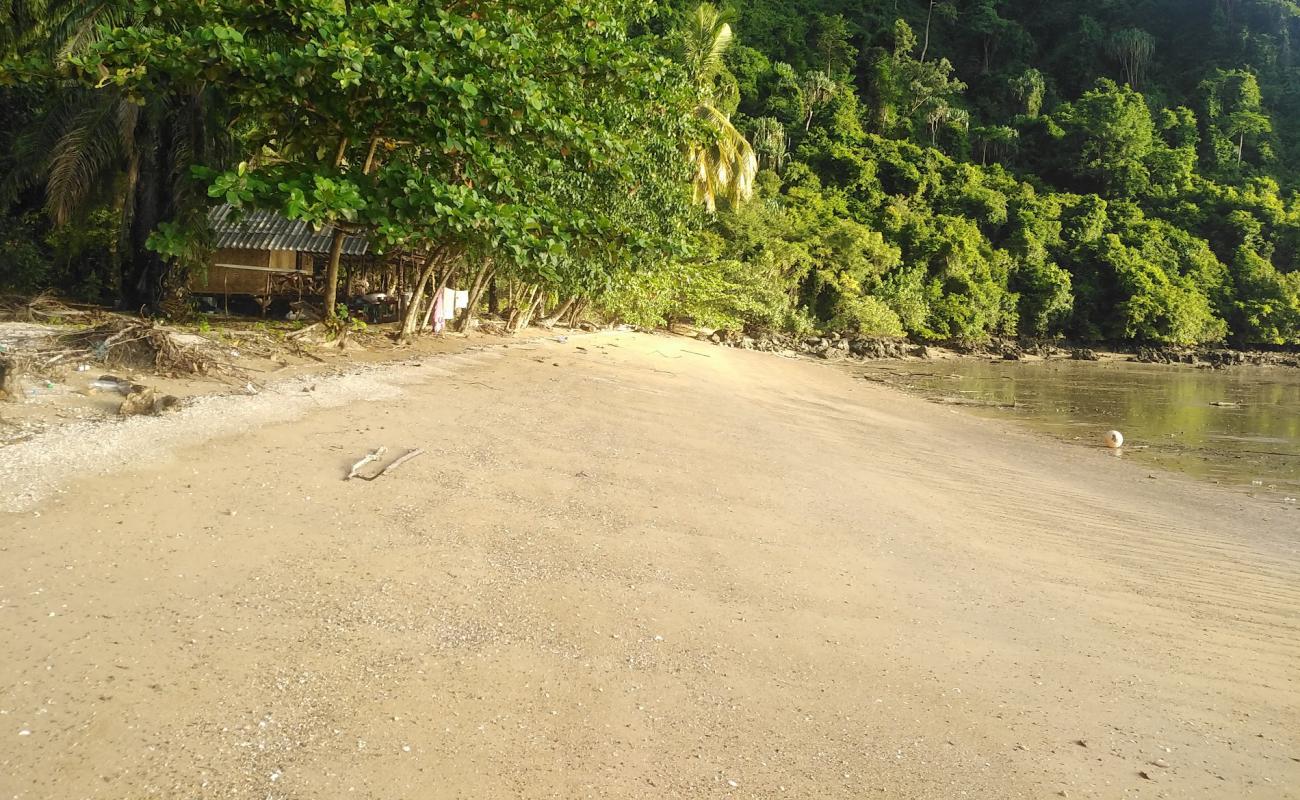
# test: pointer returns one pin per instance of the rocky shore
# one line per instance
(837, 346)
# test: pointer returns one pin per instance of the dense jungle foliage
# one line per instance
(946, 170)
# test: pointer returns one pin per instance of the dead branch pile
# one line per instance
(130, 343)
(44, 308)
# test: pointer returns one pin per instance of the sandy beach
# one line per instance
(631, 566)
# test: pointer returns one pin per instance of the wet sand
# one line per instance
(642, 568)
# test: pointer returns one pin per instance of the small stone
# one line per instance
(1146, 775)
(24, 732)
(733, 784)
(1160, 762)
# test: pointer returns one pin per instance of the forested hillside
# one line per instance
(1122, 171)
(1102, 170)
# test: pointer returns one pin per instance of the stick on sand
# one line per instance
(375, 456)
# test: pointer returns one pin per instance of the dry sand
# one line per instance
(632, 566)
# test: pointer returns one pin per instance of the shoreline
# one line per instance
(837, 346)
(67, 424)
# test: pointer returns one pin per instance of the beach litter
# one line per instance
(111, 383)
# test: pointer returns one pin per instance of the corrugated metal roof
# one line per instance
(256, 229)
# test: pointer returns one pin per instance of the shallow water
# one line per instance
(1238, 426)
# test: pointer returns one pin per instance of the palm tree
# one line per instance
(816, 90)
(769, 143)
(94, 147)
(725, 165)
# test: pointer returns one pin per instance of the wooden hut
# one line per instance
(264, 255)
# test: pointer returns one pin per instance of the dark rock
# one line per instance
(879, 348)
(9, 380)
(1084, 354)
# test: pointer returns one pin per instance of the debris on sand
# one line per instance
(144, 400)
(128, 342)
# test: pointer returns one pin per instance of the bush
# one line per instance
(24, 266)
(866, 315)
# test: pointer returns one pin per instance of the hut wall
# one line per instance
(243, 271)
(246, 258)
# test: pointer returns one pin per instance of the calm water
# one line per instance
(1237, 426)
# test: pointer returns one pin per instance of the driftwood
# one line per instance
(393, 466)
(375, 456)
(43, 308)
(370, 458)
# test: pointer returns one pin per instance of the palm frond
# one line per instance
(83, 158)
(705, 38)
(79, 31)
(725, 166)
(25, 165)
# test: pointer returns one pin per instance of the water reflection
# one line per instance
(1238, 426)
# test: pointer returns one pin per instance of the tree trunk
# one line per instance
(427, 322)
(926, 47)
(336, 247)
(575, 315)
(494, 302)
(411, 314)
(142, 286)
(1241, 147)
(522, 318)
(475, 294)
(550, 322)
(332, 272)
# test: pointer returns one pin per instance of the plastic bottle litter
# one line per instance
(111, 383)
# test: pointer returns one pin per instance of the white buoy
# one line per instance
(1114, 440)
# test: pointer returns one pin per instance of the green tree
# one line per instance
(910, 93)
(437, 132)
(1132, 48)
(835, 49)
(1112, 134)
(90, 148)
(1234, 114)
(724, 161)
